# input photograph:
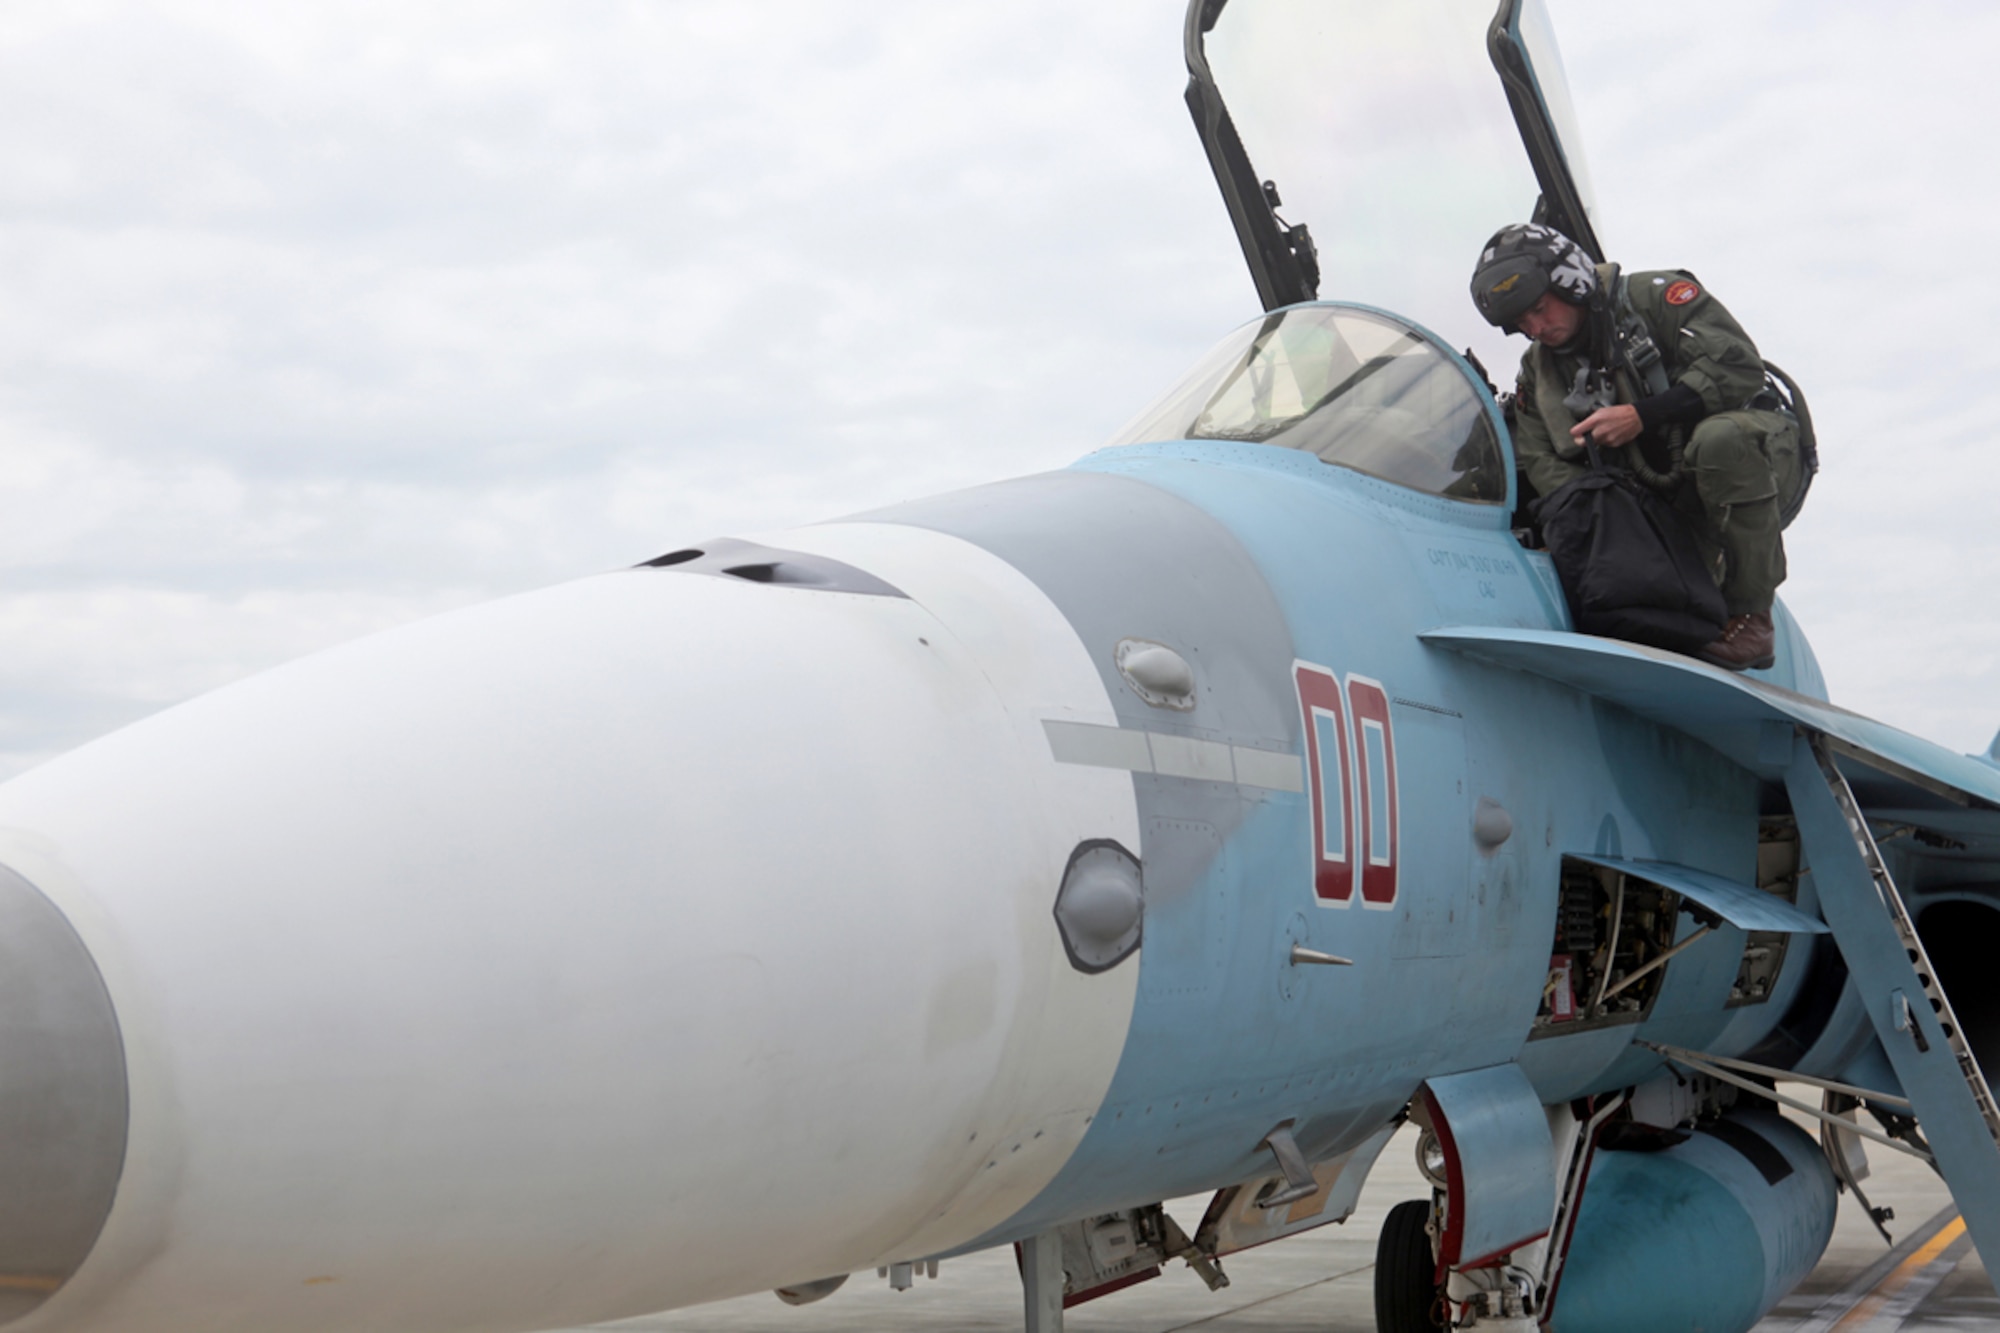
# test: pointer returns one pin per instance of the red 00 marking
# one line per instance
(1322, 711)
(1350, 770)
(1375, 781)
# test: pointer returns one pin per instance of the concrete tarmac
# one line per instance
(1322, 1281)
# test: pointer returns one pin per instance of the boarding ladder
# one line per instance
(1893, 975)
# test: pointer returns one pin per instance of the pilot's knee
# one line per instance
(1721, 441)
(1728, 462)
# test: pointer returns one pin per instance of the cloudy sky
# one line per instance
(318, 318)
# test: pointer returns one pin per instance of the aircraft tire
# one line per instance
(1406, 1293)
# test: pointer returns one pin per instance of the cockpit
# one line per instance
(1357, 387)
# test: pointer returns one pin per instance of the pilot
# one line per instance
(1655, 372)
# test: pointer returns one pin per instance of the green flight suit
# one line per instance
(1744, 462)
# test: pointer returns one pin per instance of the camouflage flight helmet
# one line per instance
(1520, 263)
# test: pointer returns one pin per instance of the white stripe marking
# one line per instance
(1098, 747)
(1137, 751)
(1272, 769)
(1186, 757)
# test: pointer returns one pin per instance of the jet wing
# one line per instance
(1897, 778)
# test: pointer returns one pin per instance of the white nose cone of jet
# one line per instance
(649, 939)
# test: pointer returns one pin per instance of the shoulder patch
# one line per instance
(1682, 292)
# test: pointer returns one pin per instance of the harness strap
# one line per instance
(1635, 342)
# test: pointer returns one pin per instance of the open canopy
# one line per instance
(1396, 136)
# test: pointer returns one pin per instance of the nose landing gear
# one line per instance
(1407, 1296)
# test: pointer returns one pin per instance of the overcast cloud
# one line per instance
(318, 318)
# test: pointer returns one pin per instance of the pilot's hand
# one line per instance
(1609, 427)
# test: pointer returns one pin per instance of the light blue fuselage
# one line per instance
(1247, 559)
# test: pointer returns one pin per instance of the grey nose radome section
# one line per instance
(1101, 905)
(62, 1099)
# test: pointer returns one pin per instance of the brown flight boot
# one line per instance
(1747, 643)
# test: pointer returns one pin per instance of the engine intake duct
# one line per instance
(1962, 939)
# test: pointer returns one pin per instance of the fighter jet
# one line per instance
(984, 870)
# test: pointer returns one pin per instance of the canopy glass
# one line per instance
(1388, 130)
(1358, 388)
